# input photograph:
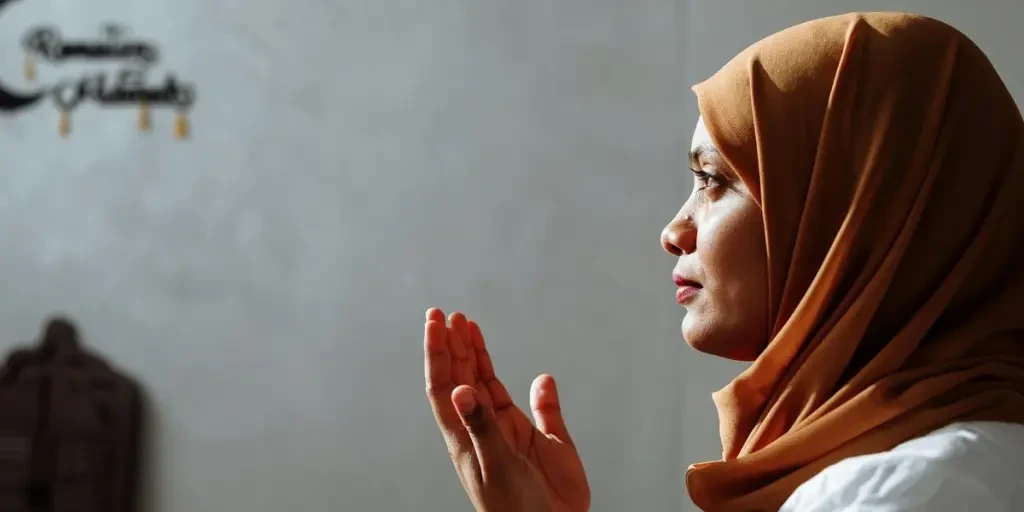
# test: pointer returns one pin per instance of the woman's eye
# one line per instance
(705, 179)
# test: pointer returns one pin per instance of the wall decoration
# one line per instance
(127, 87)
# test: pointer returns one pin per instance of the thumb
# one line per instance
(492, 450)
(547, 410)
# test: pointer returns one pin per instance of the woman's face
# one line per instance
(722, 271)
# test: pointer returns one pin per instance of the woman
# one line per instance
(854, 231)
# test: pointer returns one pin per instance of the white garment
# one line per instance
(970, 467)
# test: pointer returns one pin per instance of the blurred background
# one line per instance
(260, 260)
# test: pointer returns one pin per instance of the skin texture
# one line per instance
(718, 236)
(505, 462)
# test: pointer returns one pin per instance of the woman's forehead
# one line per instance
(701, 143)
(701, 137)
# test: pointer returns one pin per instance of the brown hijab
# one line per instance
(888, 159)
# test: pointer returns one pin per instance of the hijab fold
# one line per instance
(887, 157)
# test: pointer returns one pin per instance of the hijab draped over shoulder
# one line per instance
(887, 157)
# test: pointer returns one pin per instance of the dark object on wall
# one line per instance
(69, 429)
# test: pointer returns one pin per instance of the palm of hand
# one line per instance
(554, 459)
(546, 448)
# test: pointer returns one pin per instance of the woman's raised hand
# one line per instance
(505, 463)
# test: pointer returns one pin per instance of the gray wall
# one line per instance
(353, 163)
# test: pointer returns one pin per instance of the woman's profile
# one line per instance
(854, 232)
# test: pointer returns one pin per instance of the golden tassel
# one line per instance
(64, 127)
(181, 127)
(145, 122)
(30, 67)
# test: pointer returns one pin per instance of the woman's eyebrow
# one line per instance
(699, 150)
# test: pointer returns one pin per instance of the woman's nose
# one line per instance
(680, 236)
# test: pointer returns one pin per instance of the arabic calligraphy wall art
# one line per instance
(127, 87)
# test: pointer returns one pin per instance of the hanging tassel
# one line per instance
(30, 67)
(145, 122)
(64, 126)
(181, 127)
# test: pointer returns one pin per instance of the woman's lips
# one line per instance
(688, 288)
(686, 293)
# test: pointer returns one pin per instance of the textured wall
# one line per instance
(352, 163)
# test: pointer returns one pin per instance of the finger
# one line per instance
(547, 410)
(498, 394)
(476, 339)
(435, 314)
(492, 449)
(467, 337)
(464, 371)
(437, 358)
(439, 387)
(441, 362)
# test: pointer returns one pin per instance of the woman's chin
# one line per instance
(707, 340)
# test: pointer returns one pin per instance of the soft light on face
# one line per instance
(722, 271)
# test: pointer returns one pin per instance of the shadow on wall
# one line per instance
(71, 429)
